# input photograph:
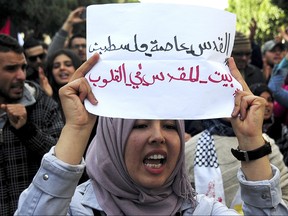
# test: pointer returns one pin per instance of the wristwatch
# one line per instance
(254, 154)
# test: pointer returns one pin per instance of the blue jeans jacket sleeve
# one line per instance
(52, 188)
(276, 82)
(262, 197)
(279, 93)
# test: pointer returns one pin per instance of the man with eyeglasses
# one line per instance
(242, 55)
(78, 44)
(67, 36)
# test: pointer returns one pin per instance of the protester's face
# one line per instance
(152, 151)
(78, 45)
(274, 56)
(242, 58)
(269, 105)
(62, 69)
(12, 76)
(35, 56)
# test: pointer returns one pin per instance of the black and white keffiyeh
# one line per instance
(208, 177)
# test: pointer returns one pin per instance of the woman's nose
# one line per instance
(62, 66)
(157, 134)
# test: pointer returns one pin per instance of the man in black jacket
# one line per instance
(30, 124)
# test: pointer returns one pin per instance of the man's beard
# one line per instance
(5, 95)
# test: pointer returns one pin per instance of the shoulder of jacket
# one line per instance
(34, 88)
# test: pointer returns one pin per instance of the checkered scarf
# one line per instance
(208, 177)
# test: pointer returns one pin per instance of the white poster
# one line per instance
(161, 61)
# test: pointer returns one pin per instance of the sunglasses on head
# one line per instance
(34, 58)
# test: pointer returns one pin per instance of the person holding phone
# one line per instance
(65, 38)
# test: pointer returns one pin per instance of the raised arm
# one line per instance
(79, 122)
(247, 120)
(58, 41)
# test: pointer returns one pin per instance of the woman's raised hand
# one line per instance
(248, 114)
(74, 93)
(79, 122)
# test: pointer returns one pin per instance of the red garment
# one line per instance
(6, 28)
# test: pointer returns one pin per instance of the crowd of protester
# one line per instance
(32, 118)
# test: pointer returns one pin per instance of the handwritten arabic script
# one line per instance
(221, 45)
(137, 79)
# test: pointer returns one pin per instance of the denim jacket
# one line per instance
(276, 82)
(52, 192)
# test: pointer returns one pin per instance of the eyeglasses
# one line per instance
(34, 58)
(78, 46)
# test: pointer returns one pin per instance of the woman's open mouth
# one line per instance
(155, 161)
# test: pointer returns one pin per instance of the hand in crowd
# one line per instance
(252, 28)
(75, 92)
(44, 83)
(73, 18)
(16, 113)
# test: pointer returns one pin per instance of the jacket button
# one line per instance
(264, 196)
(45, 177)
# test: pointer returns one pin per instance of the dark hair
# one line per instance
(31, 42)
(76, 61)
(76, 35)
(258, 88)
(8, 43)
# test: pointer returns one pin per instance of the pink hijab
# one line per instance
(116, 192)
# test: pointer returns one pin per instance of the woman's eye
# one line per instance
(139, 126)
(55, 66)
(68, 64)
(170, 126)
